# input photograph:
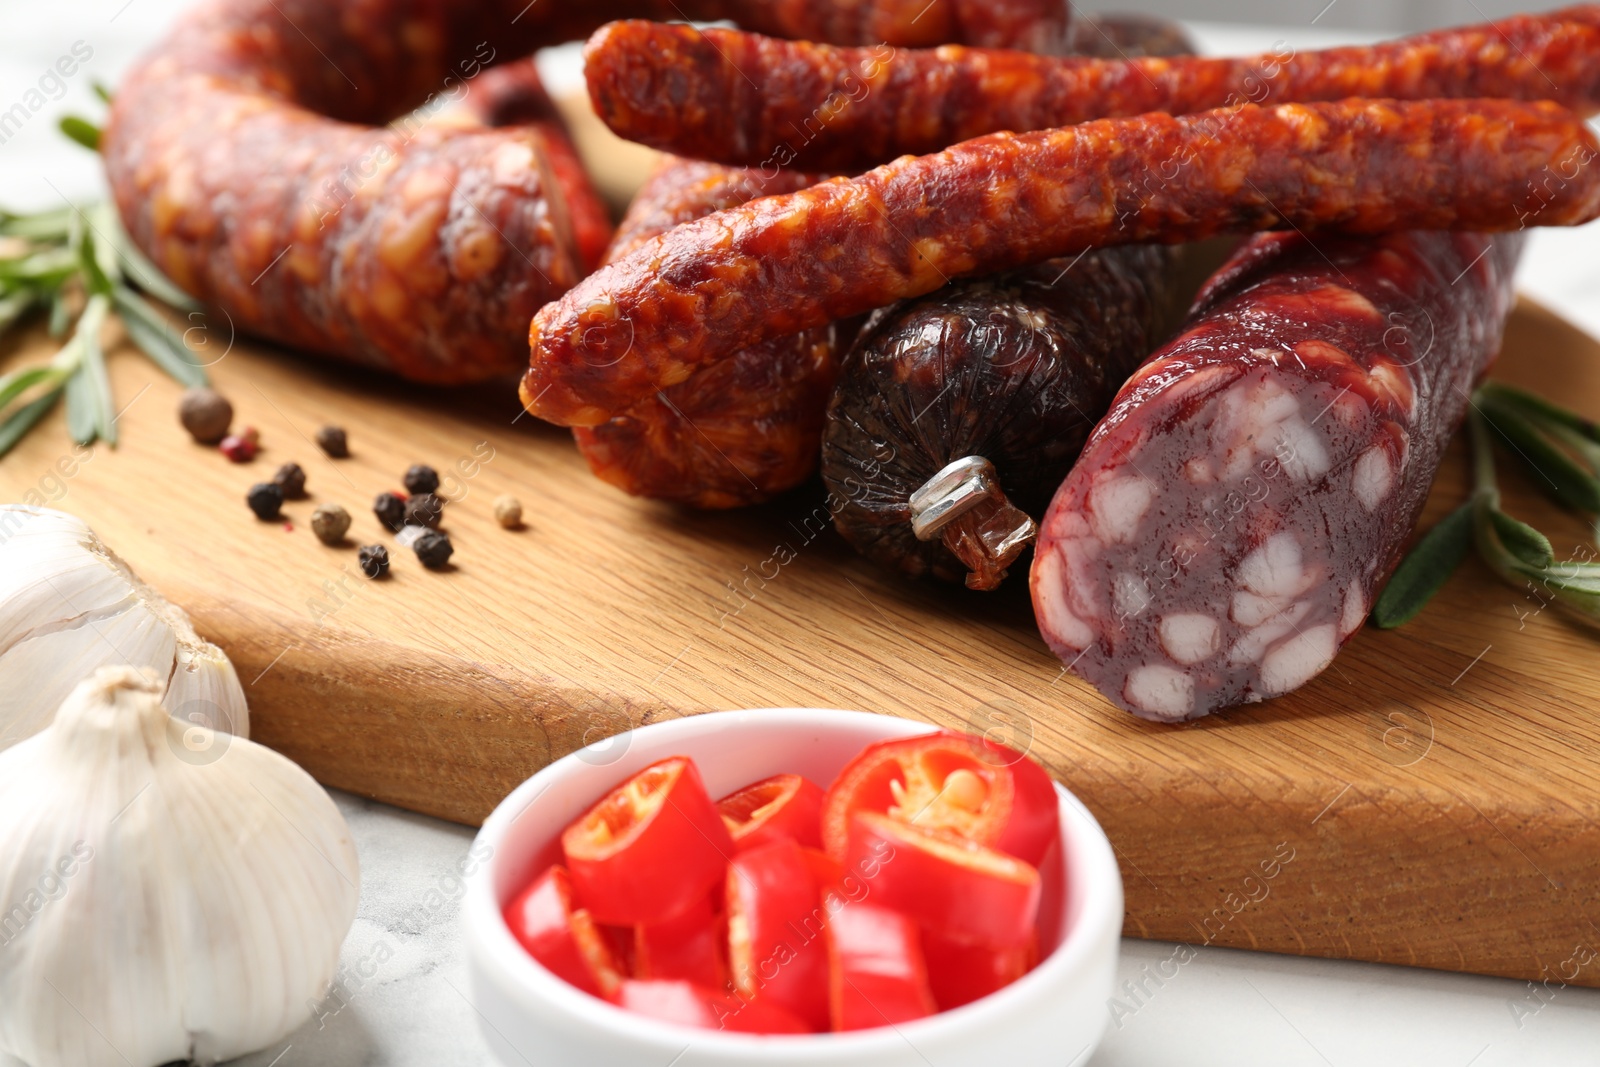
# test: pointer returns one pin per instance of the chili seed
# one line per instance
(293, 480)
(206, 414)
(421, 478)
(373, 560)
(330, 523)
(433, 549)
(508, 512)
(332, 441)
(390, 509)
(424, 509)
(265, 499)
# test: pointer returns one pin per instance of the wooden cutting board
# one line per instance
(1433, 799)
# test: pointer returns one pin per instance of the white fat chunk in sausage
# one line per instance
(1299, 659)
(1301, 451)
(1162, 691)
(1373, 478)
(1246, 425)
(1058, 620)
(1250, 610)
(1251, 647)
(1275, 569)
(1130, 595)
(1117, 506)
(1190, 637)
(1355, 611)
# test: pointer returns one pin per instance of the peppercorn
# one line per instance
(508, 512)
(292, 478)
(390, 509)
(424, 509)
(421, 478)
(241, 447)
(330, 522)
(332, 440)
(433, 549)
(373, 560)
(265, 499)
(206, 414)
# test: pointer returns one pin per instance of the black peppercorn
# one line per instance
(433, 549)
(373, 560)
(265, 499)
(421, 478)
(332, 440)
(424, 509)
(291, 478)
(390, 509)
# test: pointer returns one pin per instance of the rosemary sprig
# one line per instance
(77, 266)
(1562, 449)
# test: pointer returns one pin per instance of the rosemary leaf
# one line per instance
(1530, 546)
(1577, 443)
(1540, 409)
(94, 275)
(13, 306)
(43, 226)
(94, 364)
(1425, 569)
(60, 314)
(1557, 475)
(101, 91)
(83, 131)
(155, 338)
(81, 418)
(16, 425)
(49, 267)
(20, 381)
(136, 266)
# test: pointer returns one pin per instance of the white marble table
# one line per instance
(403, 998)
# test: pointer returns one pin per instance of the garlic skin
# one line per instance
(68, 605)
(166, 892)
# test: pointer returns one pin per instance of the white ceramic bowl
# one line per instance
(1050, 1018)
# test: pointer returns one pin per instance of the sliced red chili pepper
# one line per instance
(965, 784)
(650, 849)
(688, 946)
(876, 973)
(828, 871)
(563, 938)
(946, 883)
(775, 944)
(960, 972)
(619, 939)
(688, 1004)
(785, 805)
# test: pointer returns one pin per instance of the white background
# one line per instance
(1225, 1008)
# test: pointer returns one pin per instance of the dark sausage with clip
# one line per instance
(958, 414)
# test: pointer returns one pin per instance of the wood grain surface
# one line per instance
(1431, 800)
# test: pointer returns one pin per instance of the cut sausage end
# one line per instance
(1226, 531)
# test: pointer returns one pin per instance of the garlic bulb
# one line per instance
(69, 605)
(166, 892)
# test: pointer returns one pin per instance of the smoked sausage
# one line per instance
(273, 157)
(783, 264)
(957, 414)
(744, 99)
(1236, 513)
(737, 432)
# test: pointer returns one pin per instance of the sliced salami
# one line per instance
(1232, 519)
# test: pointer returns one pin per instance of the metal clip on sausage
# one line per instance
(964, 506)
